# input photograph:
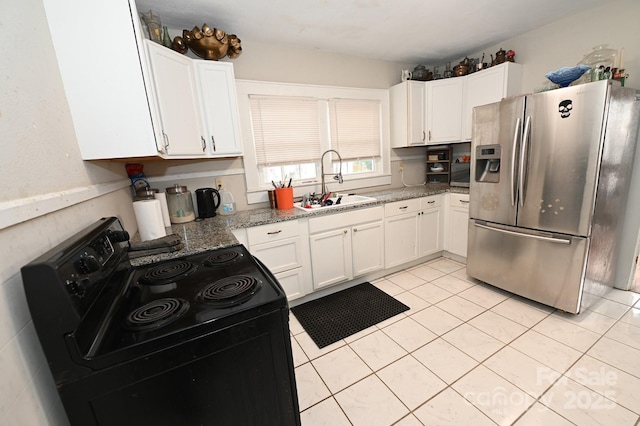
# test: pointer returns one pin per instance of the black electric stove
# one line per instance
(198, 340)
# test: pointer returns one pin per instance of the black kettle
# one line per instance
(208, 200)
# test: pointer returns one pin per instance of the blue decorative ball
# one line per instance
(567, 75)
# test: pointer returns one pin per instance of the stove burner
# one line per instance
(230, 291)
(167, 272)
(222, 258)
(156, 314)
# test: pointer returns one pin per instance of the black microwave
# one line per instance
(460, 173)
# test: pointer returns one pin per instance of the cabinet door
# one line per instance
(490, 85)
(103, 69)
(175, 90)
(280, 255)
(401, 239)
(417, 116)
(330, 257)
(430, 231)
(292, 283)
(407, 102)
(219, 104)
(367, 243)
(459, 232)
(482, 88)
(444, 110)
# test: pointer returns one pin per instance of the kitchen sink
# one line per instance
(346, 200)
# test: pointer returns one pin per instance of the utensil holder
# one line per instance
(284, 198)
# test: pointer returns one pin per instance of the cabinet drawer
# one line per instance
(272, 232)
(339, 220)
(279, 255)
(401, 207)
(292, 283)
(431, 202)
(459, 201)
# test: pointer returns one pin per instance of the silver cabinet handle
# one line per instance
(166, 141)
(213, 143)
(274, 232)
(431, 202)
(345, 231)
(516, 137)
(464, 201)
(523, 157)
(355, 229)
(204, 144)
(519, 234)
(424, 135)
(403, 208)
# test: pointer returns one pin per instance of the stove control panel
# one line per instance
(76, 271)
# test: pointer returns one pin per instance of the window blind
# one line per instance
(355, 128)
(285, 129)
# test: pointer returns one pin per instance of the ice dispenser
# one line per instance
(488, 163)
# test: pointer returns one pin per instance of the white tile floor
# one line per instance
(469, 354)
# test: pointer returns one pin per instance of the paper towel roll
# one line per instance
(162, 196)
(149, 218)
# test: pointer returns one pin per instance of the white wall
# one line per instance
(41, 171)
(565, 42)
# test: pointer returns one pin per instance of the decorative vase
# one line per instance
(166, 39)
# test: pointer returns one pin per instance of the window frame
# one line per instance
(256, 190)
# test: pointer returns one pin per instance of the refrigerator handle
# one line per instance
(519, 234)
(523, 158)
(514, 151)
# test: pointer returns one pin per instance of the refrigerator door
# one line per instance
(541, 266)
(560, 158)
(496, 137)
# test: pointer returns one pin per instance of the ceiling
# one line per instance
(410, 31)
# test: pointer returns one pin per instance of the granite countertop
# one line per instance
(216, 232)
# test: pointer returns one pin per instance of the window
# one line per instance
(287, 127)
(356, 134)
(286, 135)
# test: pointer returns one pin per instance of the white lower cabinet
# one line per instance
(306, 255)
(413, 229)
(342, 253)
(282, 247)
(401, 232)
(457, 224)
(431, 226)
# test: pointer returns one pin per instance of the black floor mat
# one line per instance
(339, 315)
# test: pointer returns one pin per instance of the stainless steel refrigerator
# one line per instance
(550, 178)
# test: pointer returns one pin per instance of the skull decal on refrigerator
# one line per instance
(565, 107)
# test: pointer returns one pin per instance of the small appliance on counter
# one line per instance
(461, 165)
(197, 340)
(208, 201)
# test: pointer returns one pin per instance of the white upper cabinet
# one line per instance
(444, 110)
(219, 107)
(488, 86)
(103, 77)
(124, 98)
(408, 114)
(440, 111)
(175, 89)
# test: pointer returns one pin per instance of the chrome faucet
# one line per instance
(337, 177)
